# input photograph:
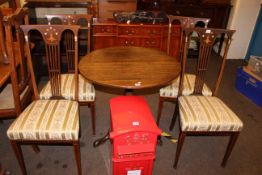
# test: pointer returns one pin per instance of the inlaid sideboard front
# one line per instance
(109, 33)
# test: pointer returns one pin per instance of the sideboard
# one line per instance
(108, 33)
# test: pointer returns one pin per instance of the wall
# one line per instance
(243, 19)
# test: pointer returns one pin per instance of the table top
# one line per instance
(129, 67)
(4, 73)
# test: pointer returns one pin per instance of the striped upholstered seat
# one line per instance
(188, 88)
(200, 113)
(47, 120)
(86, 89)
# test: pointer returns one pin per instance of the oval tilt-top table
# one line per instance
(129, 68)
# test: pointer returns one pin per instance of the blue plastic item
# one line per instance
(249, 86)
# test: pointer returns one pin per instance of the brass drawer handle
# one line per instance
(129, 43)
(130, 32)
(152, 32)
(150, 43)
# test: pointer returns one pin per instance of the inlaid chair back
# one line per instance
(170, 92)
(86, 94)
(20, 89)
(207, 39)
(84, 20)
(51, 35)
(185, 22)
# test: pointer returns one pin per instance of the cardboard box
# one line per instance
(255, 66)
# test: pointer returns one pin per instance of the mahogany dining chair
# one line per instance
(170, 92)
(55, 120)
(200, 114)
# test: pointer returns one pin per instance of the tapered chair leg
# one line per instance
(2, 171)
(19, 155)
(77, 156)
(160, 107)
(93, 115)
(173, 121)
(180, 143)
(230, 146)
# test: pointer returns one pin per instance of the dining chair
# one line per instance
(200, 114)
(86, 89)
(15, 96)
(54, 121)
(170, 92)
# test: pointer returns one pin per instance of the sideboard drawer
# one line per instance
(125, 41)
(104, 29)
(128, 30)
(152, 31)
(142, 31)
(151, 42)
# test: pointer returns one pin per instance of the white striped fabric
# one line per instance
(201, 113)
(47, 120)
(86, 91)
(188, 87)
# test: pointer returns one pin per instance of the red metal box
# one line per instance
(134, 136)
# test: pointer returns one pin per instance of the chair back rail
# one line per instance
(3, 12)
(84, 20)
(184, 22)
(13, 4)
(207, 39)
(52, 35)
